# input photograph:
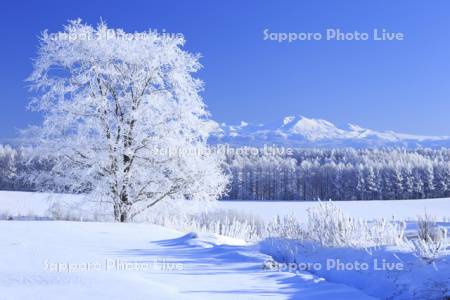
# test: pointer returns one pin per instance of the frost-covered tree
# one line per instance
(307, 174)
(8, 157)
(340, 174)
(123, 118)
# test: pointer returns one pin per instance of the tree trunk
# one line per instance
(124, 207)
(116, 212)
(124, 217)
(120, 212)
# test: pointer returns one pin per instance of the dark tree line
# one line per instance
(12, 162)
(303, 174)
(340, 174)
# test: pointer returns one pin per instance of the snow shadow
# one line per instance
(231, 271)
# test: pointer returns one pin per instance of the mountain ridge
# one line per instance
(300, 131)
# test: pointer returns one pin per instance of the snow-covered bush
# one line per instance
(5, 215)
(59, 212)
(329, 235)
(431, 242)
(219, 221)
(80, 209)
(229, 223)
(329, 226)
(382, 232)
(287, 227)
(427, 228)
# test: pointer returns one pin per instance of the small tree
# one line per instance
(123, 118)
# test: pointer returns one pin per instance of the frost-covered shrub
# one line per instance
(5, 215)
(384, 232)
(229, 223)
(427, 228)
(286, 227)
(59, 212)
(326, 225)
(219, 221)
(83, 210)
(329, 226)
(431, 242)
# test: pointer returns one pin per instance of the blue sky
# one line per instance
(398, 85)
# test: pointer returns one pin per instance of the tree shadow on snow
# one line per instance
(238, 270)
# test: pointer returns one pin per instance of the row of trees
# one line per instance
(11, 160)
(18, 167)
(340, 174)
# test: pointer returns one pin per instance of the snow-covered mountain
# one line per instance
(299, 131)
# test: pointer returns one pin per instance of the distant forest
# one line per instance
(303, 174)
(340, 174)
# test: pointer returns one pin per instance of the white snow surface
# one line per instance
(201, 267)
(213, 267)
(37, 204)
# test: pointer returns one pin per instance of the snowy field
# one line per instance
(104, 260)
(77, 260)
(31, 204)
(37, 204)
